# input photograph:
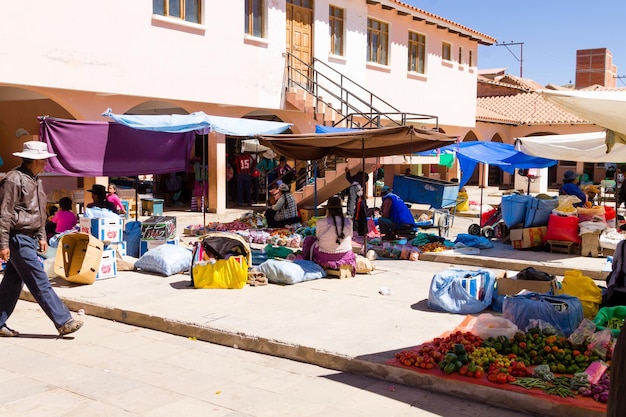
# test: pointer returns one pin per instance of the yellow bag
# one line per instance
(224, 273)
(585, 289)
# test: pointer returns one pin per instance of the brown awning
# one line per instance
(400, 140)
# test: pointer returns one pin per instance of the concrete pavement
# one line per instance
(344, 325)
(111, 369)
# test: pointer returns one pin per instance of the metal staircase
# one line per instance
(332, 99)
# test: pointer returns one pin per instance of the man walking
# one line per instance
(22, 234)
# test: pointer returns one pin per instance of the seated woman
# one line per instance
(285, 211)
(570, 187)
(331, 247)
(65, 218)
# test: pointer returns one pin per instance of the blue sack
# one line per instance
(461, 291)
(514, 208)
(473, 241)
(132, 236)
(539, 210)
(564, 312)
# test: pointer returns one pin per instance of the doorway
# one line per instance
(300, 39)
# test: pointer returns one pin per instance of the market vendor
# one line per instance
(570, 187)
(331, 247)
(395, 215)
(285, 211)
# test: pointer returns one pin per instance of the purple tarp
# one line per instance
(94, 149)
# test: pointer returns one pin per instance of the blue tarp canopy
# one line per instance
(499, 154)
(200, 123)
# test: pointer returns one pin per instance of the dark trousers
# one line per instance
(244, 189)
(352, 199)
(24, 267)
(387, 227)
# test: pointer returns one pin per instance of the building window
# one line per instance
(470, 58)
(188, 10)
(460, 55)
(336, 30)
(255, 18)
(446, 51)
(302, 3)
(377, 41)
(417, 52)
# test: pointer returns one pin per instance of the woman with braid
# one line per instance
(331, 247)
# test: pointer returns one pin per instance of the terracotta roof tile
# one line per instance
(525, 109)
(480, 37)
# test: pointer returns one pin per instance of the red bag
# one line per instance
(562, 228)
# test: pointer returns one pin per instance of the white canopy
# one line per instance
(584, 147)
(604, 108)
(607, 109)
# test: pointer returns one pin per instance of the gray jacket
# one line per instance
(22, 205)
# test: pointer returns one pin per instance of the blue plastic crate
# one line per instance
(421, 190)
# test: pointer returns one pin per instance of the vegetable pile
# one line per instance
(536, 359)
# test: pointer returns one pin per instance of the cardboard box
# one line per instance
(158, 228)
(307, 213)
(527, 238)
(78, 258)
(512, 286)
(107, 229)
(146, 245)
(108, 265)
(119, 247)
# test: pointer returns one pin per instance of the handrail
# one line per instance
(357, 111)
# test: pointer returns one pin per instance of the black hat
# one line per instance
(98, 189)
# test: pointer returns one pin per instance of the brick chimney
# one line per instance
(595, 66)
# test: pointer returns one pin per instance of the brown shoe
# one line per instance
(6, 332)
(70, 327)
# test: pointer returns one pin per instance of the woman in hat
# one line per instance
(570, 187)
(285, 211)
(331, 247)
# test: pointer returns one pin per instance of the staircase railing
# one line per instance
(358, 107)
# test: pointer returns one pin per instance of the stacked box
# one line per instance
(108, 265)
(110, 229)
(119, 247)
(158, 228)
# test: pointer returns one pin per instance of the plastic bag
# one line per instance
(564, 312)
(590, 295)
(566, 205)
(599, 343)
(224, 273)
(461, 291)
(611, 318)
(487, 325)
(584, 331)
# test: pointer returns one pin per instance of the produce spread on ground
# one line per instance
(253, 227)
(537, 362)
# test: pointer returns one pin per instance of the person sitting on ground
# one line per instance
(570, 187)
(395, 215)
(285, 211)
(65, 218)
(331, 247)
(99, 197)
(115, 199)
